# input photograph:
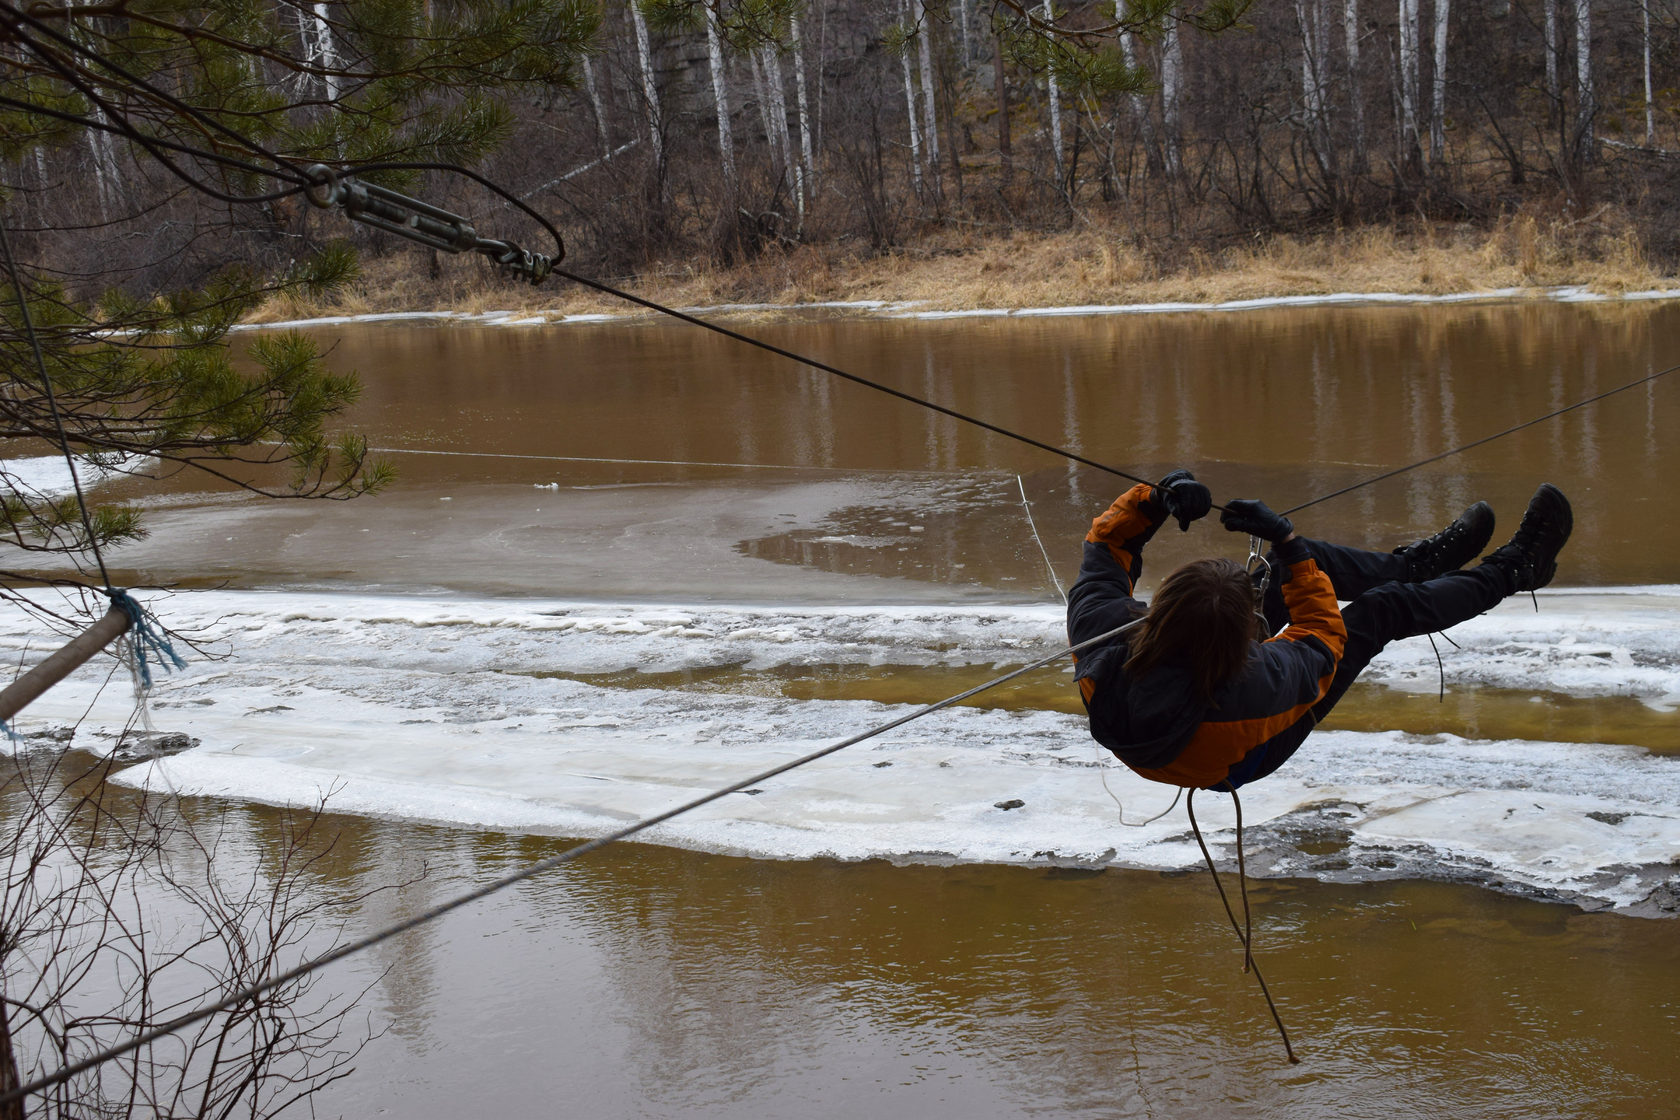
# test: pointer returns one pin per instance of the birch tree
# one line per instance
(1139, 103)
(1000, 91)
(1554, 51)
(1438, 89)
(1585, 106)
(1645, 47)
(776, 125)
(325, 53)
(1407, 84)
(910, 110)
(1315, 64)
(1355, 93)
(650, 86)
(720, 98)
(593, 89)
(1054, 96)
(806, 156)
(930, 115)
(1172, 92)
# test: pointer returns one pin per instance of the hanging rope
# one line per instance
(1245, 931)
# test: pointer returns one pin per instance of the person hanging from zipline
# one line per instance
(1198, 694)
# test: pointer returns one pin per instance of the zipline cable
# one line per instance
(66, 1072)
(717, 328)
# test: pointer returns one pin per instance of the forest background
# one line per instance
(895, 149)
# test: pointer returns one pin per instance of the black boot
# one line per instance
(1451, 548)
(1529, 560)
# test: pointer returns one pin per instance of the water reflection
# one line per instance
(732, 987)
(649, 981)
(1289, 405)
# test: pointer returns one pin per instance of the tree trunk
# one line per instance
(822, 87)
(1000, 87)
(1554, 49)
(720, 99)
(1140, 108)
(594, 91)
(107, 179)
(1438, 90)
(1315, 61)
(9, 1079)
(1356, 96)
(806, 157)
(930, 114)
(326, 54)
(780, 129)
(910, 104)
(650, 89)
(1585, 107)
(1172, 72)
(1650, 111)
(1055, 94)
(1410, 151)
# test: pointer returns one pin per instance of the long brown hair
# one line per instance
(1202, 618)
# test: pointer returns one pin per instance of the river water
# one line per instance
(627, 562)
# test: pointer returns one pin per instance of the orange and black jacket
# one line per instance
(1155, 723)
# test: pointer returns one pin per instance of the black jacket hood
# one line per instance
(1146, 722)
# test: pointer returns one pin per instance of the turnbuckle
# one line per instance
(385, 209)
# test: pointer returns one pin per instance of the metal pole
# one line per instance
(28, 687)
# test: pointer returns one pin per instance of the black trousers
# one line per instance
(1381, 608)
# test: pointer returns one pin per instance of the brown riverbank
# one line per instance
(963, 269)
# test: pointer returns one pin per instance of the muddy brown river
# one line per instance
(643, 461)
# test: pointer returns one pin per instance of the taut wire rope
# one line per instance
(718, 328)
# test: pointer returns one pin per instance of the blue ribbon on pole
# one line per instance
(146, 636)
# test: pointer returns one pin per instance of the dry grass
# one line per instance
(959, 270)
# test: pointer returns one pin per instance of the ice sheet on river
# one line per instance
(485, 712)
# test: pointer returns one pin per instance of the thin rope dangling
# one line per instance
(1244, 931)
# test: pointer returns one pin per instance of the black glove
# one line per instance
(1183, 497)
(1251, 516)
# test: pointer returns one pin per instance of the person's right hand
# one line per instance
(1252, 516)
(1184, 497)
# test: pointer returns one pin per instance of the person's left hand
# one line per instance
(1185, 498)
